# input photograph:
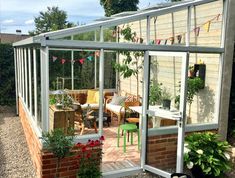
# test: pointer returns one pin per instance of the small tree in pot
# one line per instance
(166, 98)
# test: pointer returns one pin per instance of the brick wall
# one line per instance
(162, 150)
(45, 162)
(33, 142)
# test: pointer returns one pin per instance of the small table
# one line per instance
(158, 113)
(106, 119)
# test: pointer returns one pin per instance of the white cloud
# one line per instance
(7, 21)
(29, 22)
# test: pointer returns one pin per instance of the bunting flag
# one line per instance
(158, 41)
(155, 20)
(97, 53)
(54, 58)
(165, 41)
(89, 58)
(82, 60)
(172, 39)
(63, 61)
(217, 17)
(114, 33)
(196, 31)
(141, 40)
(179, 38)
(207, 26)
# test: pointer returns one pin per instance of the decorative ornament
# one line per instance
(207, 26)
(82, 60)
(172, 39)
(89, 58)
(141, 40)
(165, 41)
(196, 31)
(179, 38)
(158, 41)
(97, 53)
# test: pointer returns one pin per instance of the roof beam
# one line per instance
(75, 44)
(122, 20)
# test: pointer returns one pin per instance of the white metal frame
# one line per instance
(52, 40)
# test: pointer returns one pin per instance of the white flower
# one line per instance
(186, 150)
(200, 152)
(186, 144)
(190, 165)
(227, 156)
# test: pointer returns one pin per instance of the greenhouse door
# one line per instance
(161, 148)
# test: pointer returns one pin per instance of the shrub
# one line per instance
(206, 151)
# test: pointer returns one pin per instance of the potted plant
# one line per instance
(191, 71)
(194, 86)
(205, 155)
(166, 98)
(155, 93)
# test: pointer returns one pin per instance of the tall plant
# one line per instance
(194, 85)
(131, 63)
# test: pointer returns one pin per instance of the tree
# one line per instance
(116, 6)
(51, 20)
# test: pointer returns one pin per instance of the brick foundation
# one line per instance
(45, 162)
(162, 150)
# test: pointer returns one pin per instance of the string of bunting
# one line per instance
(90, 57)
(178, 38)
(206, 26)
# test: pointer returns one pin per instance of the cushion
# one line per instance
(97, 97)
(91, 96)
(115, 108)
(117, 100)
(81, 98)
(91, 106)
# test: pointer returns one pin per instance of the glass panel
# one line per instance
(204, 102)
(38, 70)
(32, 82)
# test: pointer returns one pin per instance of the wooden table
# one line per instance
(61, 118)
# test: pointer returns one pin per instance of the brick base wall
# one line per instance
(162, 150)
(45, 162)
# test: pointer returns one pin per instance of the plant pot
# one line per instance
(166, 104)
(198, 173)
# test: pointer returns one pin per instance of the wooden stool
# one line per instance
(128, 128)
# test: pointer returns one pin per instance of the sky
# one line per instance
(20, 14)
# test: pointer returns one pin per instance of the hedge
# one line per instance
(7, 75)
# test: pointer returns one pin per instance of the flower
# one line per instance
(227, 156)
(186, 150)
(190, 165)
(200, 152)
(92, 143)
(84, 149)
(78, 145)
(97, 143)
(102, 138)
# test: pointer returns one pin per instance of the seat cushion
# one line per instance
(115, 108)
(117, 100)
(92, 106)
(91, 96)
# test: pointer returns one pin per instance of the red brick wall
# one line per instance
(34, 144)
(45, 162)
(162, 150)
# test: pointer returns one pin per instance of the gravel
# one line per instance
(15, 160)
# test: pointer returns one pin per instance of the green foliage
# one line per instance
(51, 20)
(166, 95)
(208, 152)
(116, 6)
(155, 93)
(57, 143)
(7, 75)
(131, 65)
(194, 85)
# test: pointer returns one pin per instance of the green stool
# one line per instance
(128, 128)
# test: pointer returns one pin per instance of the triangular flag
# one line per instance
(97, 53)
(141, 40)
(172, 39)
(155, 20)
(114, 33)
(89, 58)
(165, 41)
(158, 41)
(82, 60)
(63, 61)
(179, 37)
(197, 31)
(54, 58)
(207, 26)
(217, 17)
